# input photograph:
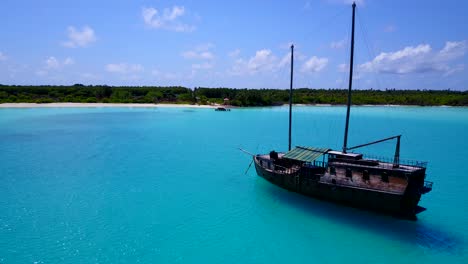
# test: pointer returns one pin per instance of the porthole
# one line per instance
(365, 175)
(385, 176)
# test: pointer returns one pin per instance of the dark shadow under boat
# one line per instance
(410, 232)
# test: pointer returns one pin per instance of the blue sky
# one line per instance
(399, 44)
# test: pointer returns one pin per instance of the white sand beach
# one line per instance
(98, 105)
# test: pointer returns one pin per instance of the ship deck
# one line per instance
(395, 185)
(379, 164)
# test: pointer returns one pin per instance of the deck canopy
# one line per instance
(306, 154)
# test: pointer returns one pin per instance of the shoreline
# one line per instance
(133, 105)
(100, 105)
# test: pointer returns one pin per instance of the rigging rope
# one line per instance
(370, 48)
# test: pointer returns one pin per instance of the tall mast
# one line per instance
(290, 95)
(350, 82)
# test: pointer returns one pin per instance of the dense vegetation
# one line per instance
(238, 97)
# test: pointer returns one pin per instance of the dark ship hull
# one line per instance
(398, 196)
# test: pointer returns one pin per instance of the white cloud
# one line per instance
(68, 61)
(286, 60)
(174, 13)
(453, 50)
(452, 70)
(338, 44)
(52, 63)
(201, 52)
(79, 38)
(234, 53)
(343, 67)
(202, 66)
(204, 55)
(168, 20)
(148, 14)
(263, 61)
(3, 57)
(418, 59)
(299, 56)
(124, 68)
(314, 64)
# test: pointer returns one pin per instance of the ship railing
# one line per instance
(318, 163)
(408, 162)
(427, 187)
(269, 164)
(384, 161)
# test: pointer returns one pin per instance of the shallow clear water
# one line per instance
(164, 185)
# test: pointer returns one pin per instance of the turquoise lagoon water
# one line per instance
(168, 185)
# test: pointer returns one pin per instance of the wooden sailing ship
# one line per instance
(391, 186)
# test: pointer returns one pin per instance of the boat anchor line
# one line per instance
(248, 168)
(246, 152)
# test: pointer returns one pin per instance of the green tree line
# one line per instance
(268, 97)
(237, 97)
(94, 94)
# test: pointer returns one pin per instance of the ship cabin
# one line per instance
(377, 173)
(350, 169)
